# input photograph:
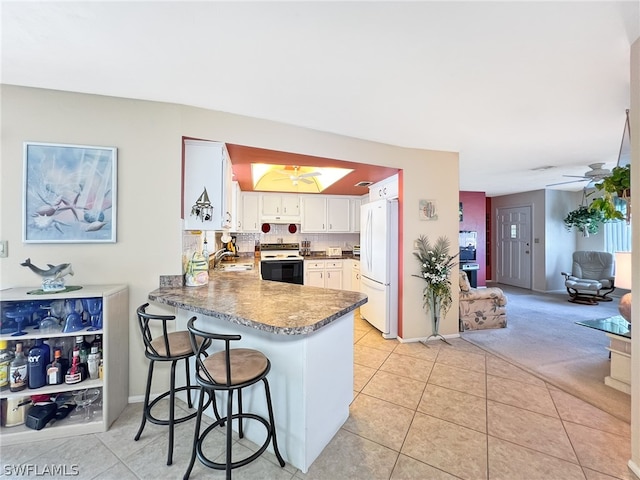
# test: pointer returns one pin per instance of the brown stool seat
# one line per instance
(179, 345)
(228, 370)
(246, 364)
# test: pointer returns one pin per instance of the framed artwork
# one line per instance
(69, 193)
(428, 210)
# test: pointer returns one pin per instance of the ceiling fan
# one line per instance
(295, 177)
(595, 174)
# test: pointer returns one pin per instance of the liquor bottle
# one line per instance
(75, 374)
(38, 358)
(18, 371)
(55, 374)
(5, 362)
(97, 342)
(93, 362)
(83, 347)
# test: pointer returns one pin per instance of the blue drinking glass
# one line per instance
(94, 307)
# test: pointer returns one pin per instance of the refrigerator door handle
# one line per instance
(369, 239)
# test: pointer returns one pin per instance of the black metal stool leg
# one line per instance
(187, 370)
(172, 414)
(273, 423)
(240, 420)
(229, 432)
(196, 435)
(145, 406)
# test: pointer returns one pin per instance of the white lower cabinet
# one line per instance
(323, 273)
(114, 384)
(355, 275)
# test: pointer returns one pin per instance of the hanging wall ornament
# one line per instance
(203, 208)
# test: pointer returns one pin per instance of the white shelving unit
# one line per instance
(115, 378)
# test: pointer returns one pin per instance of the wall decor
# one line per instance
(428, 210)
(69, 193)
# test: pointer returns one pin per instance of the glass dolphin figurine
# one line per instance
(54, 272)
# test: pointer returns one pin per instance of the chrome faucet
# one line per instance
(219, 255)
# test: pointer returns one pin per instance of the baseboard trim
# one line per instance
(424, 339)
(634, 468)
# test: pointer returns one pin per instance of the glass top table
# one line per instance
(616, 325)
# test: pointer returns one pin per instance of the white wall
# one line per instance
(148, 138)
(560, 243)
(536, 200)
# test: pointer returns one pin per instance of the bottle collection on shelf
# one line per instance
(52, 361)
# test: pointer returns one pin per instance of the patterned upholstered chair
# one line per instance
(481, 307)
(591, 278)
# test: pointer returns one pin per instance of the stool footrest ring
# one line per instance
(238, 463)
(159, 421)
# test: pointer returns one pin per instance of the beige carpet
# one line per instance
(542, 338)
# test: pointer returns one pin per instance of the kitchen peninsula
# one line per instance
(307, 334)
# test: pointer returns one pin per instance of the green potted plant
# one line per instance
(617, 184)
(585, 220)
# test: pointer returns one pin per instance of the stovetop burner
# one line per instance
(280, 251)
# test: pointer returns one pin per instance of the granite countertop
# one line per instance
(276, 307)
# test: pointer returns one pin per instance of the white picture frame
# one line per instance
(69, 194)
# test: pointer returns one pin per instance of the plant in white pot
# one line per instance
(584, 220)
(435, 269)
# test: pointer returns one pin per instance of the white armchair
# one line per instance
(591, 278)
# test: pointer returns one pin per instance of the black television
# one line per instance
(467, 254)
(468, 241)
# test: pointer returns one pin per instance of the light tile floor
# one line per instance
(420, 412)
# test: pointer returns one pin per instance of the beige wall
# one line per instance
(634, 120)
(148, 138)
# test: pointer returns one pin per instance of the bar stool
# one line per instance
(168, 347)
(228, 370)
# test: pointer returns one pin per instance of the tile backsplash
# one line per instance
(245, 242)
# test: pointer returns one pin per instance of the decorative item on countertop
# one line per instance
(435, 268)
(197, 273)
(203, 208)
(53, 278)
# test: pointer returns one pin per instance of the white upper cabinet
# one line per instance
(206, 166)
(280, 208)
(338, 214)
(387, 188)
(354, 210)
(326, 213)
(249, 212)
(314, 213)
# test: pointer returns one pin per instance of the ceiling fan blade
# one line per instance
(576, 176)
(310, 174)
(306, 180)
(564, 183)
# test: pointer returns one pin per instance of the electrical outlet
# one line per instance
(4, 248)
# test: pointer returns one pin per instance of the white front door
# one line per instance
(513, 263)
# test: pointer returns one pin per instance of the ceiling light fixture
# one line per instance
(302, 179)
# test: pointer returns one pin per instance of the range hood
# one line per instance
(280, 219)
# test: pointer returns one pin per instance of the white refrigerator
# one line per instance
(379, 265)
